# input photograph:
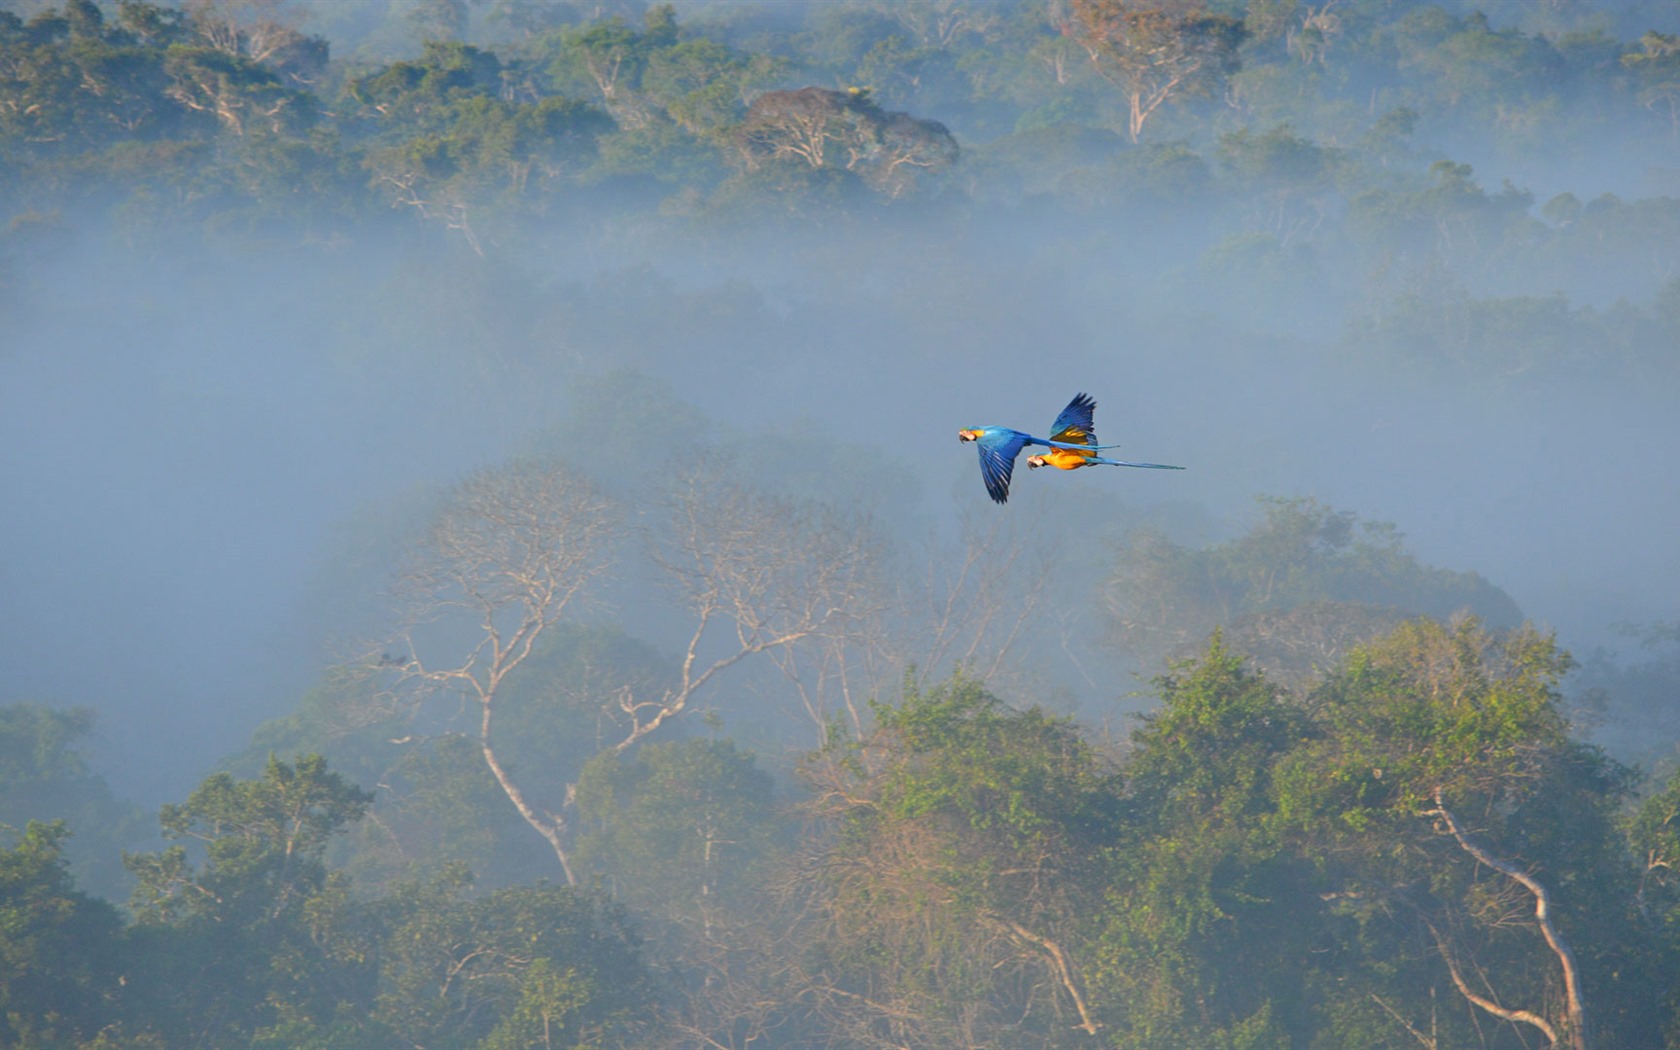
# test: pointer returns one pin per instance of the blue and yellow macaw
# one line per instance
(1074, 427)
(1072, 434)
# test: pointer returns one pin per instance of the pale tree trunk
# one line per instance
(550, 826)
(513, 549)
(1575, 1026)
(1059, 963)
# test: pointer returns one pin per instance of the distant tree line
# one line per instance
(1304, 150)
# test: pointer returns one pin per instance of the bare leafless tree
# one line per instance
(754, 574)
(508, 554)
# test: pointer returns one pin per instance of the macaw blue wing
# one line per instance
(998, 449)
(1075, 424)
(1077, 446)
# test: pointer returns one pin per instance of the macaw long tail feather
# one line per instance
(1122, 463)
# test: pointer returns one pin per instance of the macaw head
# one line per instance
(1037, 461)
(969, 435)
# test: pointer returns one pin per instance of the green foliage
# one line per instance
(814, 131)
(1019, 775)
(1431, 707)
(223, 948)
(447, 136)
(230, 122)
(1209, 748)
(264, 841)
(1291, 179)
(440, 807)
(262, 946)
(534, 965)
(1273, 837)
(968, 837)
(58, 947)
(1655, 836)
(546, 1012)
(676, 829)
(43, 777)
(1203, 885)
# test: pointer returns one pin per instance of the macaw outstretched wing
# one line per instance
(1075, 424)
(997, 460)
(1075, 446)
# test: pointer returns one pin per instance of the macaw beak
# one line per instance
(1034, 462)
(967, 435)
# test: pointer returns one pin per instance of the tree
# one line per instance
(63, 93)
(264, 840)
(506, 557)
(1573, 1025)
(513, 549)
(688, 835)
(1528, 909)
(676, 829)
(1290, 180)
(1298, 590)
(59, 949)
(1155, 52)
(699, 83)
(768, 574)
(1467, 64)
(1657, 66)
(523, 966)
(844, 130)
(1208, 910)
(225, 946)
(44, 777)
(262, 31)
(233, 89)
(607, 57)
(957, 859)
(455, 135)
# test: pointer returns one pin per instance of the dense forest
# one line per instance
(486, 564)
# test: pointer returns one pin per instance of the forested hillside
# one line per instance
(480, 473)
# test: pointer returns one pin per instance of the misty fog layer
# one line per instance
(183, 453)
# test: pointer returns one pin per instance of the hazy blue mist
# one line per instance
(196, 441)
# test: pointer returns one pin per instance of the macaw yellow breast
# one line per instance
(1066, 458)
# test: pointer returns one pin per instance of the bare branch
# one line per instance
(1064, 971)
(1577, 1022)
(507, 555)
(1514, 1016)
(1429, 1041)
(769, 572)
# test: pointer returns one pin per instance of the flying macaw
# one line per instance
(1072, 434)
(1074, 427)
